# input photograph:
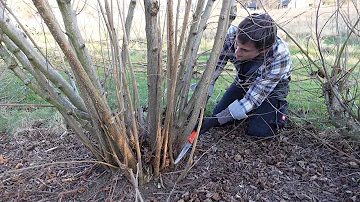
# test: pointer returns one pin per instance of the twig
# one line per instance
(51, 149)
(333, 147)
(166, 181)
(86, 171)
(55, 163)
(25, 105)
(66, 193)
(172, 191)
(42, 182)
(135, 181)
(161, 181)
(113, 190)
(41, 192)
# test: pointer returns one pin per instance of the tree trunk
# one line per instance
(154, 72)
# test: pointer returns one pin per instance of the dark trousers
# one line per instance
(265, 120)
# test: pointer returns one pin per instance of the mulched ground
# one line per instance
(299, 165)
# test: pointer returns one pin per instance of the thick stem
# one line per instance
(73, 32)
(171, 82)
(154, 72)
(99, 102)
(39, 62)
(196, 101)
(187, 52)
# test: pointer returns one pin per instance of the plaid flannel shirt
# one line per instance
(277, 66)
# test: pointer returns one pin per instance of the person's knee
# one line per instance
(261, 131)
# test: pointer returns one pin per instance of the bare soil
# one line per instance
(298, 165)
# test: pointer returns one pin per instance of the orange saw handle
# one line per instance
(192, 137)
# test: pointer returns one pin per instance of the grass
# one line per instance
(305, 97)
(13, 119)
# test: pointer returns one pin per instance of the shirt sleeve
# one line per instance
(276, 68)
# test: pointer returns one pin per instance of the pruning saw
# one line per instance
(187, 146)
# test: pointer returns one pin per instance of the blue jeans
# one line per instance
(266, 120)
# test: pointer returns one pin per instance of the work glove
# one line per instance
(219, 119)
(208, 123)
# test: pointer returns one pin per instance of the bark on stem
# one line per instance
(201, 91)
(38, 61)
(100, 104)
(154, 72)
(171, 80)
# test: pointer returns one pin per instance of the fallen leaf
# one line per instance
(209, 195)
(82, 189)
(301, 164)
(216, 197)
(50, 176)
(193, 196)
(353, 164)
(19, 165)
(238, 157)
(107, 188)
(186, 196)
(279, 164)
(67, 179)
(3, 160)
(15, 178)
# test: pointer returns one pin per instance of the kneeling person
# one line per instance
(263, 64)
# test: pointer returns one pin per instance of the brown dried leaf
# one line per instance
(19, 165)
(279, 164)
(82, 189)
(216, 197)
(50, 176)
(107, 188)
(3, 160)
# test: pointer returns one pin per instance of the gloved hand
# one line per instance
(224, 116)
(208, 123)
(219, 119)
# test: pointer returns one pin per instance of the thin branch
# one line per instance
(40, 86)
(25, 105)
(126, 58)
(54, 163)
(135, 181)
(307, 55)
(38, 61)
(352, 29)
(184, 73)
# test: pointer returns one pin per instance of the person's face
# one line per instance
(246, 51)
